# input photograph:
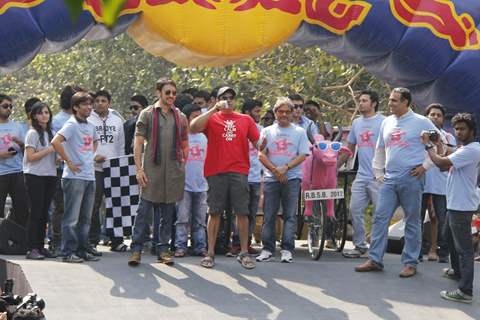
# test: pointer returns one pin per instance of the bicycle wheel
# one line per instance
(316, 232)
(340, 225)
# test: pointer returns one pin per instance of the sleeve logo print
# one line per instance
(230, 130)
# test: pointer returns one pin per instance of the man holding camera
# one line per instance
(399, 164)
(462, 202)
(226, 168)
(11, 169)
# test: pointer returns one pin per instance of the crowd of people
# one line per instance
(197, 158)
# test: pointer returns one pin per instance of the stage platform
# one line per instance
(306, 289)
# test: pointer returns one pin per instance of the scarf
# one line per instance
(156, 141)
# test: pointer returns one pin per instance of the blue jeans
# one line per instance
(192, 210)
(78, 197)
(274, 192)
(405, 191)
(459, 237)
(363, 193)
(165, 212)
(252, 213)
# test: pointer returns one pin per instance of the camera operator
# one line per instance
(462, 202)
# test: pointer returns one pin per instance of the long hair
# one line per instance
(36, 109)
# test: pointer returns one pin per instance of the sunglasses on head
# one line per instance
(298, 106)
(134, 107)
(225, 98)
(7, 106)
(335, 146)
(170, 92)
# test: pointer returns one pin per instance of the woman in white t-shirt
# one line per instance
(40, 178)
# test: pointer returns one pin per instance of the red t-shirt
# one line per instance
(227, 148)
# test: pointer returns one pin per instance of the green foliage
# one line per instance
(125, 69)
(110, 9)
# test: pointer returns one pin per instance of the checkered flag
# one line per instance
(121, 195)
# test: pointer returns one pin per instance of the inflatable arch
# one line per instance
(429, 46)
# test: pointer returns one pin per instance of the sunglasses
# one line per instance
(170, 92)
(7, 106)
(225, 98)
(134, 107)
(298, 106)
(335, 146)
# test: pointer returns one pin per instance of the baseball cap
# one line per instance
(222, 90)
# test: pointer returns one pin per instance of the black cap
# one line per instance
(222, 90)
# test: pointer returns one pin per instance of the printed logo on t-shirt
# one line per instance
(230, 130)
(87, 144)
(282, 148)
(396, 137)
(6, 141)
(196, 153)
(365, 139)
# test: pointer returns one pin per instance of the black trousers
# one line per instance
(40, 191)
(13, 184)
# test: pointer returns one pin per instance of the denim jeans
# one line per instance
(165, 212)
(459, 237)
(78, 196)
(363, 193)
(252, 213)
(192, 211)
(405, 191)
(440, 207)
(287, 193)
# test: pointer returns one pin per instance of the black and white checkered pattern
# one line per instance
(121, 195)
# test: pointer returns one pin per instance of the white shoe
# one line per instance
(265, 256)
(286, 256)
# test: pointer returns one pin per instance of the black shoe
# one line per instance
(89, 257)
(72, 259)
(48, 254)
(93, 251)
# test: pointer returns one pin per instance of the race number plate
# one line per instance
(323, 194)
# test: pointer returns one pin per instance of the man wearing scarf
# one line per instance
(163, 130)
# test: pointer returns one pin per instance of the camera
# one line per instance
(433, 135)
(17, 308)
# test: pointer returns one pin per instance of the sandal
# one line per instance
(179, 254)
(208, 262)
(246, 261)
(122, 247)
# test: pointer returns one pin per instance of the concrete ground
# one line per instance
(306, 289)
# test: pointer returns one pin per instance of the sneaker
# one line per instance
(87, 256)
(265, 256)
(233, 252)
(355, 253)
(72, 258)
(165, 258)
(48, 254)
(286, 256)
(449, 273)
(456, 295)
(93, 251)
(34, 254)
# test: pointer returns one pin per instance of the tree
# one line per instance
(124, 69)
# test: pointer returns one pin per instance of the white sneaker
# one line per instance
(286, 256)
(265, 256)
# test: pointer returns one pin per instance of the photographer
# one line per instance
(462, 202)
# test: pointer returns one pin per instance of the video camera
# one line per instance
(29, 307)
(433, 135)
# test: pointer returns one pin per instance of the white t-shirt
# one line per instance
(45, 166)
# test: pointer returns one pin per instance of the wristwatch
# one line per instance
(429, 146)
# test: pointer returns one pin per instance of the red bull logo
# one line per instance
(6, 4)
(440, 17)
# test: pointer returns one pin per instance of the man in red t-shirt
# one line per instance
(226, 168)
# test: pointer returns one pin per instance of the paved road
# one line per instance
(327, 289)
